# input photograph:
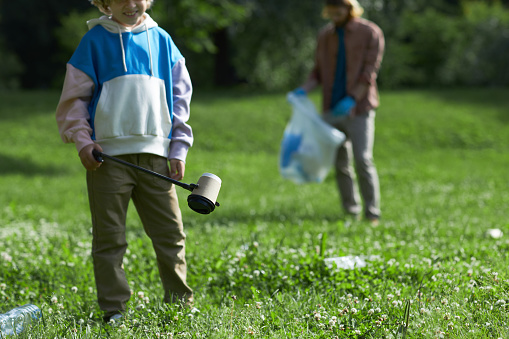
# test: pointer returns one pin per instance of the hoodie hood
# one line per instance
(114, 27)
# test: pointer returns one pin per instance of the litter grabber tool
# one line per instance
(203, 194)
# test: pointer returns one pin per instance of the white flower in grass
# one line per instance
(146, 300)
(353, 310)
(258, 304)
(74, 289)
(317, 316)
(5, 256)
(371, 311)
(54, 299)
(378, 310)
(3, 286)
(141, 295)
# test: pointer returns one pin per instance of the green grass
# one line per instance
(442, 157)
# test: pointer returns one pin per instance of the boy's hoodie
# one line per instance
(128, 90)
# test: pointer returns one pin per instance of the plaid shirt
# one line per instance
(364, 47)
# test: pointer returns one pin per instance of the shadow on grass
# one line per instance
(271, 217)
(25, 166)
(479, 97)
(24, 104)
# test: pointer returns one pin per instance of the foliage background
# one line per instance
(267, 44)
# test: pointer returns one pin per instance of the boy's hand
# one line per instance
(87, 158)
(177, 169)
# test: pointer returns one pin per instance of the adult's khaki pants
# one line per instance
(360, 133)
(110, 189)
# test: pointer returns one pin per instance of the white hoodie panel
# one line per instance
(133, 106)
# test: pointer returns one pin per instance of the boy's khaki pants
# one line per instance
(360, 133)
(110, 188)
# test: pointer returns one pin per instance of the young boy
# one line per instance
(127, 93)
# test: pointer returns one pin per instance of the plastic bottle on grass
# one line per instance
(14, 321)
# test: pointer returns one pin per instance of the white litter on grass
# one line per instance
(348, 262)
(495, 233)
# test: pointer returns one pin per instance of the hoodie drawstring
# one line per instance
(149, 50)
(122, 46)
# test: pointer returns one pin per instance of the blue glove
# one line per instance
(344, 106)
(299, 91)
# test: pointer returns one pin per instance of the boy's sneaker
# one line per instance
(113, 318)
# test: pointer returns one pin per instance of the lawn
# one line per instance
(257, 263)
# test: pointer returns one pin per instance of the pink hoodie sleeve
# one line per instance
(72, 110)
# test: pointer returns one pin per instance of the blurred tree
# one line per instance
(478, 56)
(67, 36)
(30, 25)
(265, 42)
(10, 66)
(200, 29)
(274, 47)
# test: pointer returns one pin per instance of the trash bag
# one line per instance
(309, 144)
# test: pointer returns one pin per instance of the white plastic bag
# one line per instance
(309, 144)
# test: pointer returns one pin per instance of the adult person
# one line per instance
(347, 59)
